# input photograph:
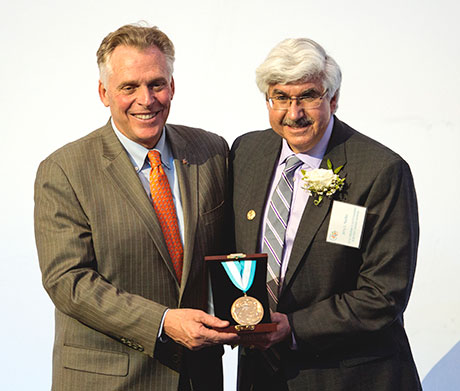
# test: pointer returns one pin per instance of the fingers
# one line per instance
(196, 329)
(212, 321)
(193, 329)
(263, 341)
(219, 337)
(278, 317)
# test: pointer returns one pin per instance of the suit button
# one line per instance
(251, 214)
(175, 358)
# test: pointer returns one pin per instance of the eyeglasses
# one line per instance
(310, 100)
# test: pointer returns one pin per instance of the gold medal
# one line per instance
(247, 311)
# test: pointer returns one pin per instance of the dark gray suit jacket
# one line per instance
(345, 305)
(106, 266)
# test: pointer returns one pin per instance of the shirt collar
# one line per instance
(314, 156)
(138, 153)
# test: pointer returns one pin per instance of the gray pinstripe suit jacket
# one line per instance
(106, 267)
(345, 305)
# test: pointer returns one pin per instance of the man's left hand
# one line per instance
(263, 341)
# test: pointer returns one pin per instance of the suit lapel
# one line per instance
(120, 171)
(259, 168)
(187, 175)
(313, 216)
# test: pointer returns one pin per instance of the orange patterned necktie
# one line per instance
(166, 212)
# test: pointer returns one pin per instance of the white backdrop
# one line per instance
(400, 63)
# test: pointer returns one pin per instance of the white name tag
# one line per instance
(346, 224)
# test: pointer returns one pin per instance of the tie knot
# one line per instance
(292, 162)
(154, 158)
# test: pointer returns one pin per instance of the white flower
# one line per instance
(322, 182)
(319, 179)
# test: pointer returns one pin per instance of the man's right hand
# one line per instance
(194, 329)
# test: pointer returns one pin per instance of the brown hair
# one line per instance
(137, 36)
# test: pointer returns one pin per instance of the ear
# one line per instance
(334, 103)
(267, 94)
(173, 88)
(103, 94)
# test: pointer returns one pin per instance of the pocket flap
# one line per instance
(95, 361)
(351, 362)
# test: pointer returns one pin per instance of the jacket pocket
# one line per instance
(214, 214)
(95, 361)
(352, 362)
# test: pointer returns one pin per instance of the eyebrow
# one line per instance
(305, 92)
(279, 92)
(157, 80)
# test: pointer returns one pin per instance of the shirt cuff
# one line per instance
(162, 337)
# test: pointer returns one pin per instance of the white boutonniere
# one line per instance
(322, 182)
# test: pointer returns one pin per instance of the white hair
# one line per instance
(296, 61)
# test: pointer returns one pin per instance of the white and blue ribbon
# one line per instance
(241, 273)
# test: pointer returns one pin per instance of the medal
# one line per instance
(246, 310)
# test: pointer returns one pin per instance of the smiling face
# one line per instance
(302, 128)
(139, 90)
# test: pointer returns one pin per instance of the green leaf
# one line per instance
(329, 164)
(337, 170)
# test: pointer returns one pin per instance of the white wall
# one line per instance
(400, 61)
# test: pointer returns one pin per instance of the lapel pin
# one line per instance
(251, 214)
(185, 162)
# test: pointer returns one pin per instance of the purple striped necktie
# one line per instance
(275, 227)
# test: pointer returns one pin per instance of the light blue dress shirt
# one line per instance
(138, 156)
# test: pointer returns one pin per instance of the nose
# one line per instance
(145, 96)
(295, 111)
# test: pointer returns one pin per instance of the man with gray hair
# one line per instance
(336, 213)
(123, 219)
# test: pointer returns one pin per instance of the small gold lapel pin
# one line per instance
(251, 214)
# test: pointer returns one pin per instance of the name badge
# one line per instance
(346, 224)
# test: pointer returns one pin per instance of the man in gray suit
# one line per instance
(127, 279)
(336, 212)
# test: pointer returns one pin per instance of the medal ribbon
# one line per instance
(241, 273)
